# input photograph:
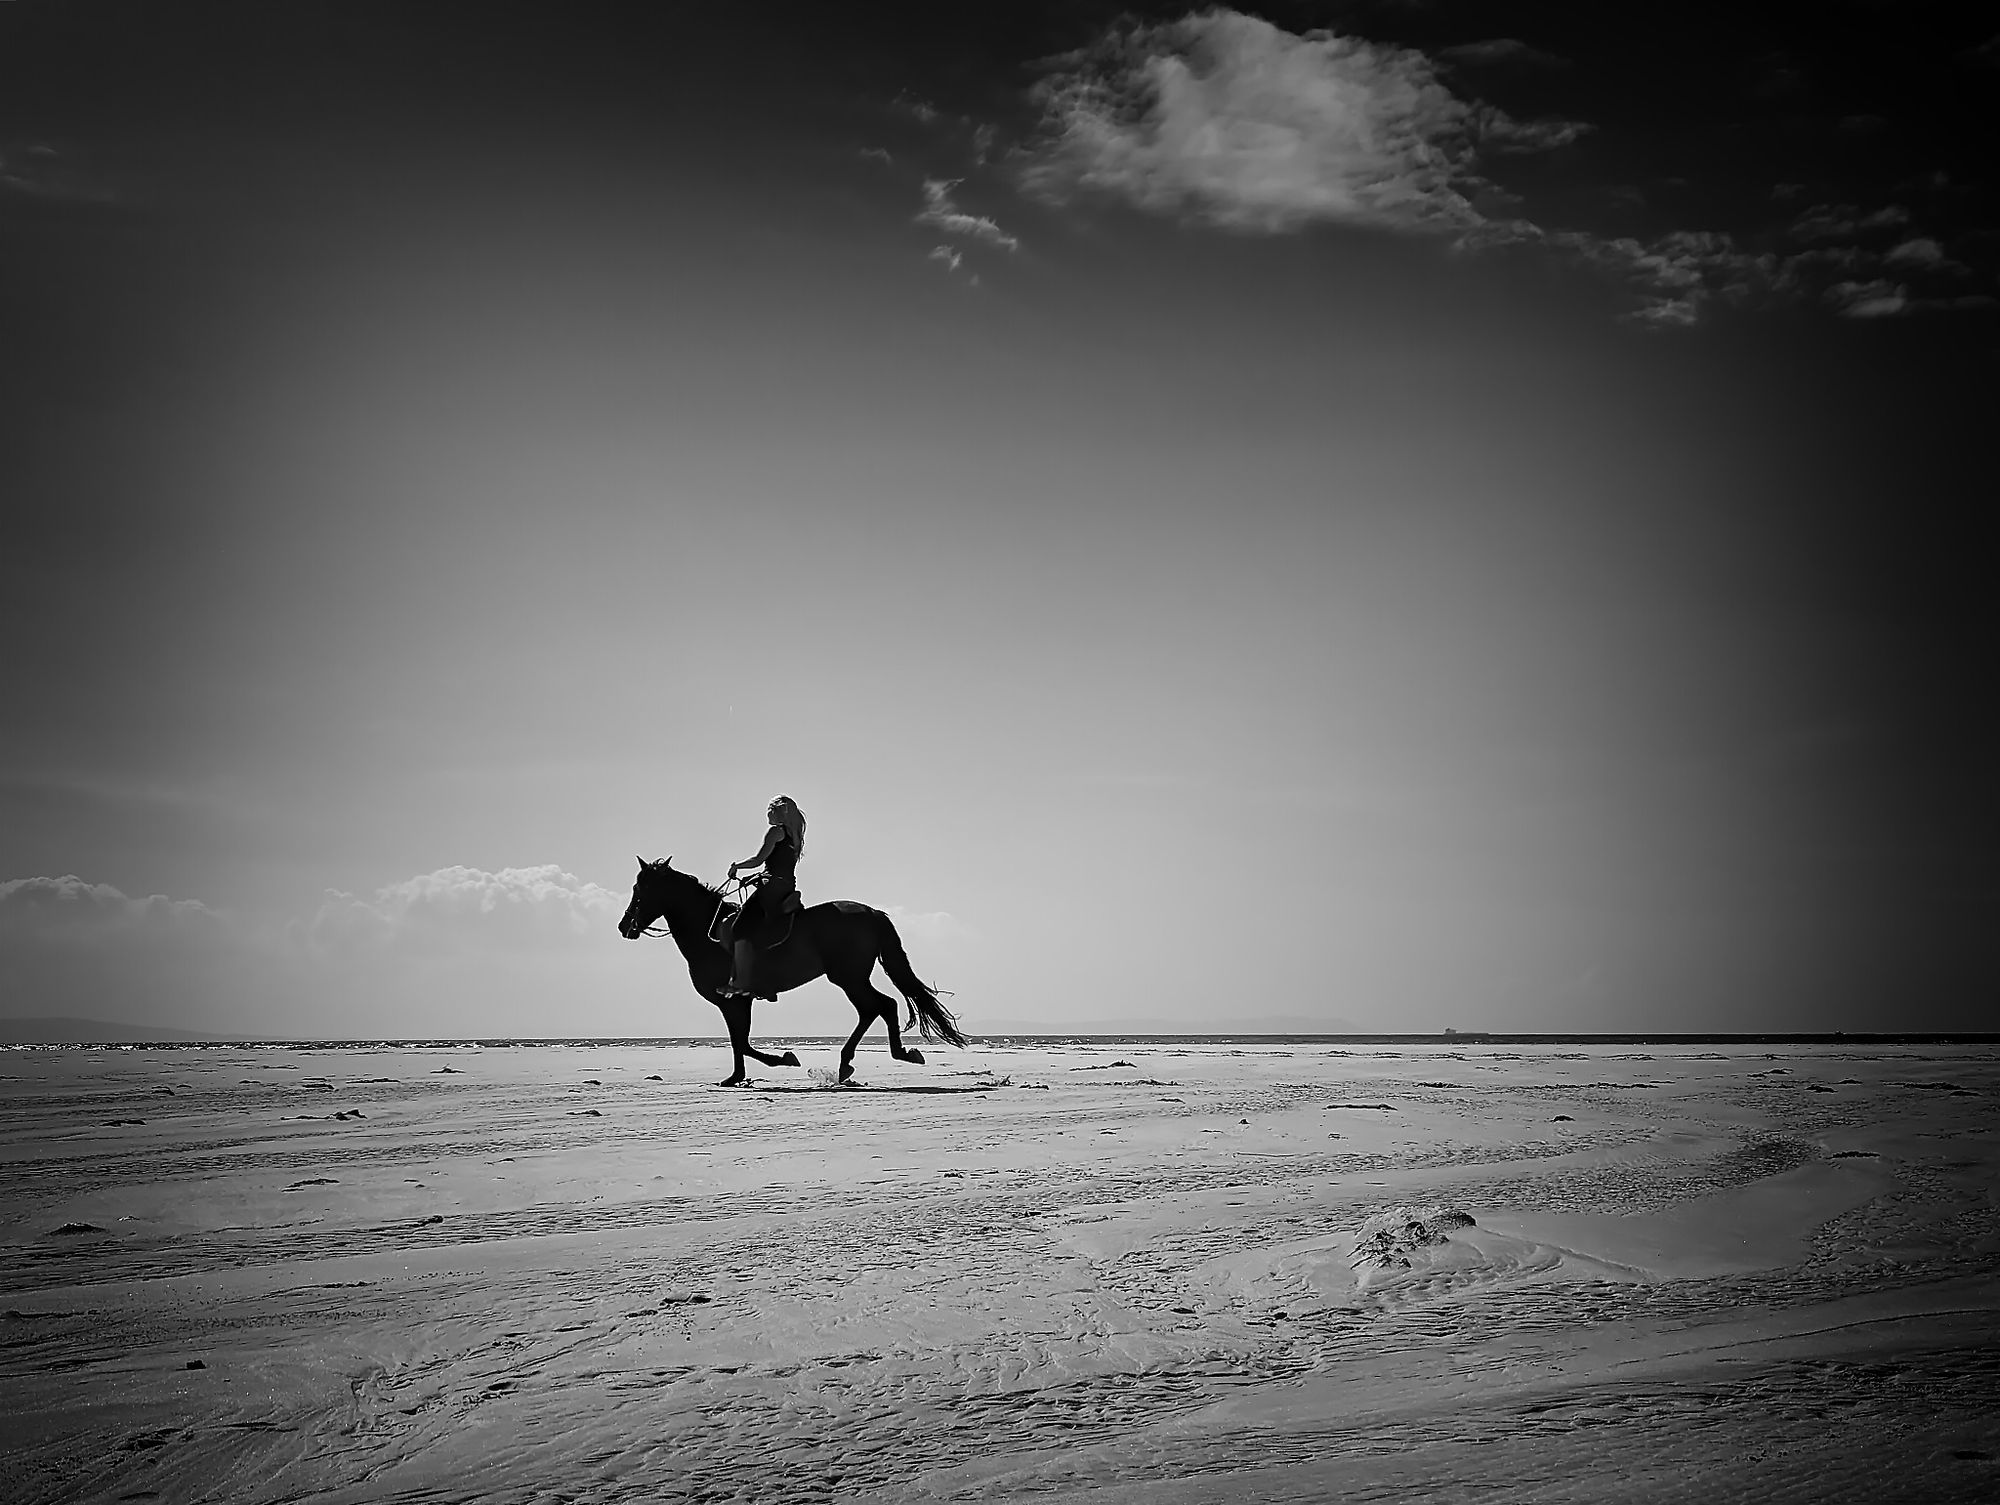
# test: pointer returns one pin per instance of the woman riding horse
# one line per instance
(777, 888)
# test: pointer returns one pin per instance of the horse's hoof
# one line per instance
(914, 1056)
(788, 1059)
(735, 1081)
(846, 1073)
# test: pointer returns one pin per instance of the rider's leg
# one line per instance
(746, 960)
(740, 942)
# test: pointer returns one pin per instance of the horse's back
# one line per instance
(845, 907)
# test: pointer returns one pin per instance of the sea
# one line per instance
(1466, 1039)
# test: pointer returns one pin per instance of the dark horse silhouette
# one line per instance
(842, 941)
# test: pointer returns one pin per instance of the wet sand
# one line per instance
(1107, 1271)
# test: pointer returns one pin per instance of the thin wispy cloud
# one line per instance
(1868, 300)
(951, 259)
(1825, 222)
(941, 212)
(1499, 132)
(38, 169)
(1500, 51)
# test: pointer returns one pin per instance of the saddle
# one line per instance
(787, 917)
(775, 931)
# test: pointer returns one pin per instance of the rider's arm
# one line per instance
(763, 853)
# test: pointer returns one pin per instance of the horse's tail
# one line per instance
(932, 1017)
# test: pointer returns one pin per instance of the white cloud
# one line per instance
(462, 908)
(948, 256)
(69, 947)
(1499, 132)
(69, 909)
(1228, 119)
(943, 214)
(1225, 119)
(933, 925)
(1675, 276)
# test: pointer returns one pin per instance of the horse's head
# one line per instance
(652, 894)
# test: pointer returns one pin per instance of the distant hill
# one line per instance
(65, 1031)
(1267, 1024)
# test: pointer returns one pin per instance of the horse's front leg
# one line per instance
(736, 1012)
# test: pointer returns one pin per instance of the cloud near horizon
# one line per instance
(457, 909)
(929, 926)
(523, 949)
(520, 950)
(68, 946)
(69, 909)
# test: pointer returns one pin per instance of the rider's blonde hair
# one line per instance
(785, 813)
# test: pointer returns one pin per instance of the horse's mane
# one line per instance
(664, 868)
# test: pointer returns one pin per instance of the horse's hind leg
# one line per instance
(870, 1001)
(896, 1047)
(847, 1051)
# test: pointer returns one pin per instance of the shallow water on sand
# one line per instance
(1193, 1271)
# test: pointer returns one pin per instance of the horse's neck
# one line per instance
(690, 922)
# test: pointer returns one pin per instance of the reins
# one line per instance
(729, 886)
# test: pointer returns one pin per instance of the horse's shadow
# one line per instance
(905, 1087)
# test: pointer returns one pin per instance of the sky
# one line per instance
(1386, 516)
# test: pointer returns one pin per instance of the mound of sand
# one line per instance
(1386, 1241)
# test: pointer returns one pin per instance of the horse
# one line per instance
(841, 941)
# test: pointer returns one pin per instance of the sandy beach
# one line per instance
(1107, 1271)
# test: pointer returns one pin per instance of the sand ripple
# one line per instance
(1206, 1276)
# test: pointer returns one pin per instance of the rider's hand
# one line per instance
(732, 870)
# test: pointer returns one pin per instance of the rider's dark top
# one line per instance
(781, 866)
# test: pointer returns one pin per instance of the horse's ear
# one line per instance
(666, 862)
